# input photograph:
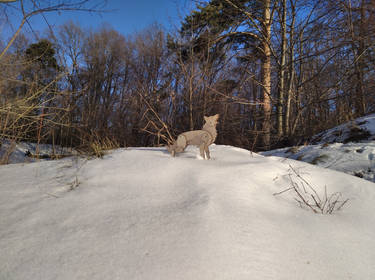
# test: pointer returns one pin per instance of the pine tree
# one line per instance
(237, 23)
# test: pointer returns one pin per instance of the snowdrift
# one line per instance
(140, 214)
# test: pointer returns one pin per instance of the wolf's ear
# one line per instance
(205, 119)
(216, 116)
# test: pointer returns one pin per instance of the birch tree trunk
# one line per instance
(281, 93)
(266, 74)
(290, 72)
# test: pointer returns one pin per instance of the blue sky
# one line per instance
(126, 16)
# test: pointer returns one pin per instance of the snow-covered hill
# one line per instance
(140, 214)
(348, 148)
(357, 159)
(358, 130)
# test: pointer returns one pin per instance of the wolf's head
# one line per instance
(212, 120)
(172, 149)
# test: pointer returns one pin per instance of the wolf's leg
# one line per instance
(201, 150)
(181, 143)
(207, 151)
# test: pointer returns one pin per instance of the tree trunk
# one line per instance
(359, 66)
(281, 93)
(191, 123)
(291, 73)
(266, 74)
(357, 97)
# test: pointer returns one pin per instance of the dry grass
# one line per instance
(306, 196)
(300, 157)
(324, 145)
(97, 146)
(4, 158)
(320, 158)
(293, 150)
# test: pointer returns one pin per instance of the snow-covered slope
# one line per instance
(348, 148)
(358, 130)
(357, 159)
(140, 214)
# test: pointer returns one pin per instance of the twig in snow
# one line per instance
(307, 196)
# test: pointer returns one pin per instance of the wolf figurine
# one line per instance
(200, 138)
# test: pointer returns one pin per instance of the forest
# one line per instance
(277, 72)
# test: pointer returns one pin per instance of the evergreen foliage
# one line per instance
(225, 23)
(42, 53)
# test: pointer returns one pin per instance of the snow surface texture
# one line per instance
(361, 129)
(141, 214)
(334, 149)
(357, 159)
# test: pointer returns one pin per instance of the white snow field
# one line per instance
(138, 213)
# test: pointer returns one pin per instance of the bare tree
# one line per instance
(39, 7)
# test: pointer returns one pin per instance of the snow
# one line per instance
(11, 152)
(138, 213)
(353, 158)
(342, 133)
(333, 150)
